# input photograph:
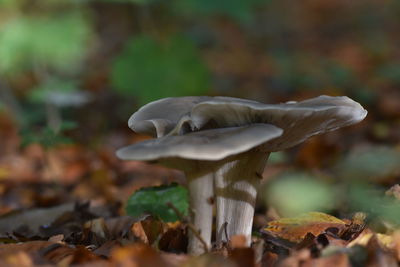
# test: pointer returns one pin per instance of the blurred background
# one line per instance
(72, 72)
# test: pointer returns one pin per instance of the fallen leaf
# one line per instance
(120, 227)
(295, 258)
(98, 230)
(237, 241)
(394, 191)
(378, 255)
(296, 228)
(107, 247)
(148, 230)
(363, 240)
(56, 238)
(174, 239)
(209, 260)
(32, 246)
(20, 259)
(33, 218)
(137, 255)
(335, 260)
(242, 256)
(396, 244)
(269, 259)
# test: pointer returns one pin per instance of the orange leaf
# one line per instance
(296, 228)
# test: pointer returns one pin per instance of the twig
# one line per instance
(190, 225)
(225, 225)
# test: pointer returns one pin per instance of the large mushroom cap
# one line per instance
(299, 120)
(210, 145)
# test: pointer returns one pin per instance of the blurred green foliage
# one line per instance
(47, 136)
(372, 200)
(294, 193)
(277, 157)
(390, 71)
(55, 41)
(59, 92)
(139, 2)
(154, 201)
(369, 164)
(238, 10)
(40, 93)
(150, 70)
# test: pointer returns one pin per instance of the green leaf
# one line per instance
(54, 41)
(153, 200)
(150, 70)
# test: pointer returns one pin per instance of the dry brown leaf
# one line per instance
(148, 230)
(269, 259)
(174, 239)
(99, 230)
(378, 255)
(336, 260)
(138, 231)
(107, 247)
(20, 259)
(242, 256)
(237, 241)
(137, 255)
(363, 239)
(209, 260)
(394, 191)
(56, 238)
(396, 244)
(32, 246)
(33, 218)
(295, 258)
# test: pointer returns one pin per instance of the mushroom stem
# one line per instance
(236, 186)
(201, 194)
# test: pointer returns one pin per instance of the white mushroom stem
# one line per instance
(201, 198)
(236, 186)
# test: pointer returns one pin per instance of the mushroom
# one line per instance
(199, 155)
(222, 144)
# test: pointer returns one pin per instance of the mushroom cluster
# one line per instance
(222, 144)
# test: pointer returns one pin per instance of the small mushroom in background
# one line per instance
(222, 144)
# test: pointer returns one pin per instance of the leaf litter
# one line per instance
(50, 225)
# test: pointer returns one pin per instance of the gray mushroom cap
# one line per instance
(210, 145)
(183, 125)
(299, 120)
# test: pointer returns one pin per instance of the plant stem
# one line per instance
(53, 117)
(236, 185)
(10, 101)
(201, 194)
